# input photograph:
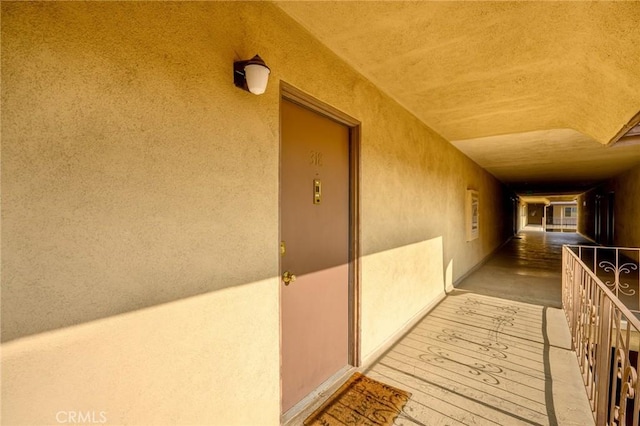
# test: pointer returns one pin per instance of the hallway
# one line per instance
(146, 262)
(496, 351)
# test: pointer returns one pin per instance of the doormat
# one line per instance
(360, 401)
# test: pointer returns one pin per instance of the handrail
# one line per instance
(603, 247)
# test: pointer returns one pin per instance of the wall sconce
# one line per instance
(251, 75)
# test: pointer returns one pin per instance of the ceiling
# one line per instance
(535, 92)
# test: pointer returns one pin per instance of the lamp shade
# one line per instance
(257, 77)
(251, 75)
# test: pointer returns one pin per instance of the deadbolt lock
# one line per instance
(317, 191)
(288, 278)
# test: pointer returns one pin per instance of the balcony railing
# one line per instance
(561, 224)
(618, 268)
(605, 332)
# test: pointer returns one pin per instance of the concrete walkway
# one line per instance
(497, 350)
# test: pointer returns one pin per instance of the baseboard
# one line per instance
(399, 334)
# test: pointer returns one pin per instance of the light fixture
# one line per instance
(251, 75)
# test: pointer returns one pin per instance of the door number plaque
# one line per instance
(317, 191)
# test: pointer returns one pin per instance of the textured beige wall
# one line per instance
(140, 209)
(414, 274)
(127, 155)
(586, 214)
(627, 208)
(626, 189)
(192, 361)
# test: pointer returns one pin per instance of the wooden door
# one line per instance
(314, 212)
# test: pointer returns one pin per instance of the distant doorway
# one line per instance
(535, 214)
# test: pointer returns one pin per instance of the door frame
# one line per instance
(292, 94)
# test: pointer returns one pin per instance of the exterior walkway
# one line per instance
(497, 350)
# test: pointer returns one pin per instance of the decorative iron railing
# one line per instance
(605, 333)
(618, 268)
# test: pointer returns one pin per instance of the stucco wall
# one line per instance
(140, 209)
(626, 193)
(627, 208)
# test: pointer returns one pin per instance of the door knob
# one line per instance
(288, 278)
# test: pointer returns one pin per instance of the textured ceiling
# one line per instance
(504, 81)
(551, 161)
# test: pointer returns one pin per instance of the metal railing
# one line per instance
(561, 224)
(605, 335)
(563, 221)
(618, 268)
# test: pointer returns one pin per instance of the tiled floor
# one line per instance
(496, 351)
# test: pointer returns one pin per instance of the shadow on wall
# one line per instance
(170, 342)
(121, 182)
(170, 363)
(412, 275)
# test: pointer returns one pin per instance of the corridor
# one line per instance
(496, 351)
(149, 244)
